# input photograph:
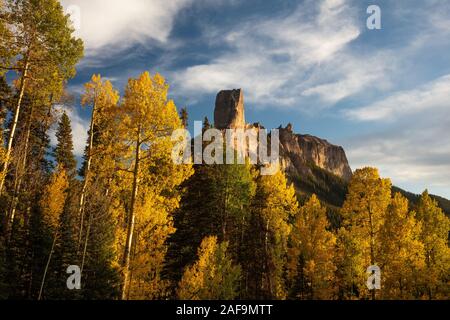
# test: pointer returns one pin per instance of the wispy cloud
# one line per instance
(278, 59)
(427, 98)
(413, 146)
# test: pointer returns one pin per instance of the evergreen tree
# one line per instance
(184, 117)
(216, 203)
(63, 152)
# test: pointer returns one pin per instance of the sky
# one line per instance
(384, 95)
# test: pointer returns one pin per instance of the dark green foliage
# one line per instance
(63, 152)
(184, 117)
(216, 203)
(414, 199)
(5, 95)
(100, 279)
(330, 188)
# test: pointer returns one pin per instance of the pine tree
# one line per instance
(402, 253)
(24, 229)
(98, 253)
(311, 254)
(216, 202)
(363, 216)
(63, 152)
(184, 117)
(213, 276)
(434, 235)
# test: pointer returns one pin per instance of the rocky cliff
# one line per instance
(299, 153)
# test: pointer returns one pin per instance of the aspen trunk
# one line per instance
(18, 177)
(131, 220)
(14, 125)
(88, 230)
(81, 204)
(48, 264)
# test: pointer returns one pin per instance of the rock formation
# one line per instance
(297, 152)
(229, 111)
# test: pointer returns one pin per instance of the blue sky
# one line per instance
(384, 95)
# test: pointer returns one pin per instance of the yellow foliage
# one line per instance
(146, 120)
(434, 235)
(402, 253)
(275, 203)
(153, 226)
(54, 198)
(213, 276)
(311, 252)
(363, 214)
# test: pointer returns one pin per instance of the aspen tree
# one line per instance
(311, 254)
(148, 120)
(402, 253)
(364, 211)
(214, 276)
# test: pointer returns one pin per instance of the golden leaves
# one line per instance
(213, 276)
(54, 198)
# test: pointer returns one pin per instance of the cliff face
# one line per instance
(298, 152)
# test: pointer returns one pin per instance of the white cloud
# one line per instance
(414, 159)
(276, 60)
(423, 99)
(413, 146)
(351, 74)
(119, 23)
